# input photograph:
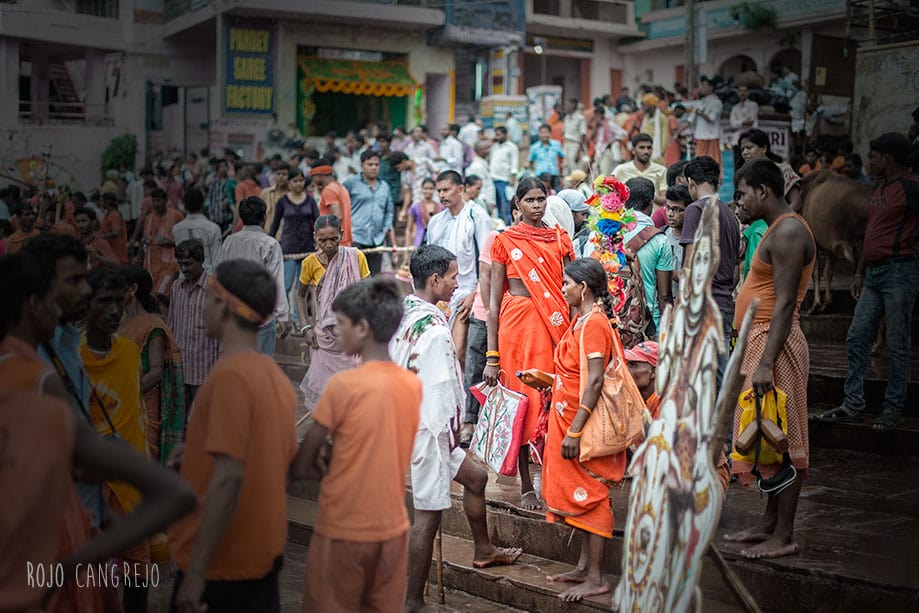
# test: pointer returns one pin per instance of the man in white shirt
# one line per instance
(642, 166)
(461, 228)
(503, 160)
(451, 149)
(469, 133)
(419, 147)
(251, 243)
(707, 133)
(196, 225)
(480, 168)
(575, 129)
(744, 115)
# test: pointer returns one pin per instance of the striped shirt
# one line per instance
(186, 319)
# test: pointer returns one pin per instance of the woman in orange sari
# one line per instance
(527, 307)
(577, 493)
(161, 364)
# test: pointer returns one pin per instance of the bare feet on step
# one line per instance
(576, 575)
(772, 548)
(502, 556)
(756, 534)
(583, 590)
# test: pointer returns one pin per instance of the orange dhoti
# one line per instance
(576, 492)
(711, 148)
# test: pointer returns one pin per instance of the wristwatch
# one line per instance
(305, 328)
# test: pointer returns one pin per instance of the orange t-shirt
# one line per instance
(18, 239)
(114, 222)
(372, 414)
(245, 410)
(33, 517)
(332, 193)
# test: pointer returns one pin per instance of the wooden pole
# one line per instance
(734, 582)
(441, 598)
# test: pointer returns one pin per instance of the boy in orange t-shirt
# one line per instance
(240, 442)
(358, 556)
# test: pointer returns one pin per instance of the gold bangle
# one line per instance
(589, 410)
(492, 354)
(574, 434)
(487, 363)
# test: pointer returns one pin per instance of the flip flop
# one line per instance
(886, 422)
(535, 497)
(840, 415)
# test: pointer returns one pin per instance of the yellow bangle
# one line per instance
(574, 434)
(589, 410)
(492, 354)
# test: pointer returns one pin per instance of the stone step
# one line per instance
(833, 328)
(522, 586)
(901, 442)
(854, 524)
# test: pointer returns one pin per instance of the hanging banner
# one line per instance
(248, 68)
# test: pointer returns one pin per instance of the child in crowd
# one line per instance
(358, 555)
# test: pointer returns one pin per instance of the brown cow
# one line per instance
(836, 209)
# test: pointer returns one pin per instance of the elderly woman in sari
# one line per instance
(161, 364)
(527, 307)
(323, 276)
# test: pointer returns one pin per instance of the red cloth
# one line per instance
(114, 222)
(659, 217)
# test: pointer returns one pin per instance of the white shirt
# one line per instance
(135, 198)
(463, 236)
(575, 126)
(251, 243)
(503, 160)
(705, 129)
(741, 113)
(420, 149)
(469, 133)
(451, 150)
(513, 130)
(196, 225)
(479, 168)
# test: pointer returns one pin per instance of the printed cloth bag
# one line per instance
(497, 435)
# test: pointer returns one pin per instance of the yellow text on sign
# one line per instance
(248, 98)
(248, 69)
(249, 41)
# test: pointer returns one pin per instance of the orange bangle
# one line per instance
(589, 410)
(574, 434)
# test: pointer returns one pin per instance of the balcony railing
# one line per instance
(53, 112)
(610, 11)
(97, 8)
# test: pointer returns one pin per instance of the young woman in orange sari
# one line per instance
(527, 307)
(577, 493)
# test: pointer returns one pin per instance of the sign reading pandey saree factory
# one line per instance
(248, 68)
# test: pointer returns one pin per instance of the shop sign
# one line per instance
(249, 68)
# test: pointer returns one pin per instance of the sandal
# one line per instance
(841, 415)
(523, 498)
(887, 421)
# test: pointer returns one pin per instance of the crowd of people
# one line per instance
(162, 338)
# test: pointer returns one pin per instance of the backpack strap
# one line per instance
(640, 240)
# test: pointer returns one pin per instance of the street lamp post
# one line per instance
(539, 47)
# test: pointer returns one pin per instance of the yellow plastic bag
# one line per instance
(772, 407)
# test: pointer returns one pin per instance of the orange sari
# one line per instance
(576, 492)
(531, 326)
(160, 261)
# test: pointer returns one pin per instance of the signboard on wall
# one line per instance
(494, 110)
(248, 86)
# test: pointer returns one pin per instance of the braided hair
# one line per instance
(591, 272)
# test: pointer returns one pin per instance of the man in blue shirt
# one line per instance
(70, 259)
(546, 154)
(371, 209)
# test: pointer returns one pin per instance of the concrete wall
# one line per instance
(893, 68)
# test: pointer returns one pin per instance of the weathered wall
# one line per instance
(886, 91)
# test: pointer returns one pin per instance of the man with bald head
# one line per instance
(480, 168)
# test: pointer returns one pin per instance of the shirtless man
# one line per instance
(777, 353)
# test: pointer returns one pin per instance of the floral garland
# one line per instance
(610, 220)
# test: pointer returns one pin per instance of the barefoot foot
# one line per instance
(500, 557)
(530, 501)
(583, 590)
(773, 548)
(576, 575)
(756, 534)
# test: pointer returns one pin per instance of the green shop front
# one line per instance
(341, 94)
